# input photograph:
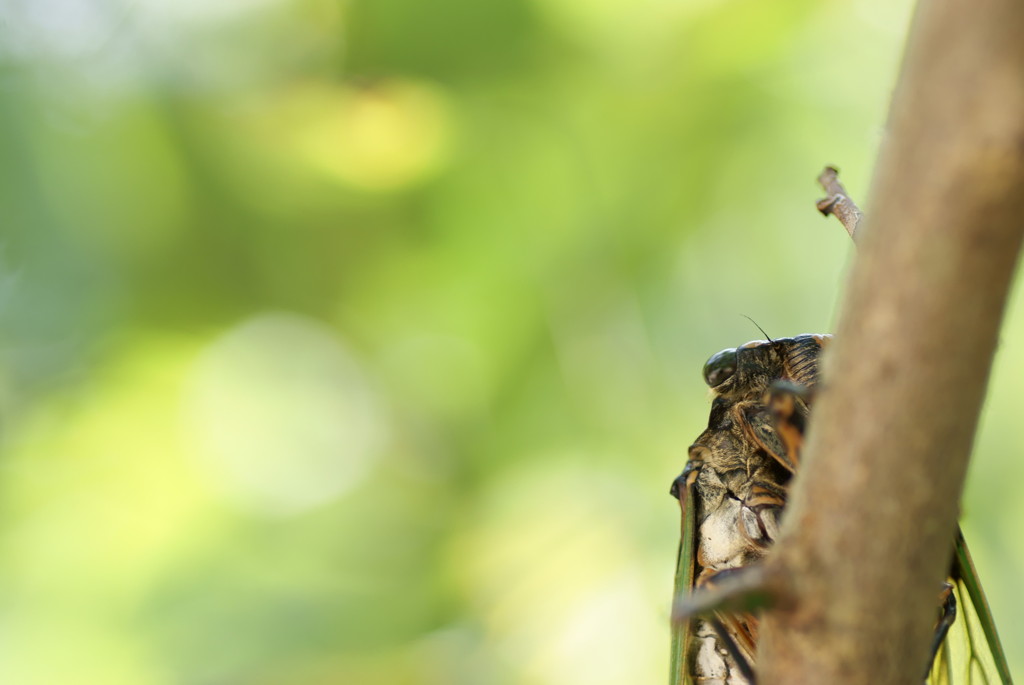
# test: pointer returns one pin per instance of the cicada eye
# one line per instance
(720, 368)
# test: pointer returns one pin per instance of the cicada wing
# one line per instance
(987, 651)
(942, 667)
(682, 630)
(971, 652)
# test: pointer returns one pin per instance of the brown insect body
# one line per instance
(737, 475)
(733, 491)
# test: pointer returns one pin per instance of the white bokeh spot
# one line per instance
(281, 416)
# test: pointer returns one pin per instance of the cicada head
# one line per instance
(745, 372)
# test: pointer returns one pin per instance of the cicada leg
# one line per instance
(761, 427)
(947, 615)
(736, 630)
(760, 513)
(743, 664)
(777, 423)
(790, 404)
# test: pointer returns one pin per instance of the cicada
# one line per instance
(732, 493)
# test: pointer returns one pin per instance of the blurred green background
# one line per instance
(359, 342)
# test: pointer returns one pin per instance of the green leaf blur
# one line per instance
(359, 341)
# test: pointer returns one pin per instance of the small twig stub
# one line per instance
(838, 202)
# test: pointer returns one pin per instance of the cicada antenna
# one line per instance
(768, 337)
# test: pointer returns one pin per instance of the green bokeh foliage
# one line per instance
(492, 243)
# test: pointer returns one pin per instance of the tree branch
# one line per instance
(868, 531)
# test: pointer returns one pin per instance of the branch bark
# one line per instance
(868, 531)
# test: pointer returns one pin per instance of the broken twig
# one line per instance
(838, 202)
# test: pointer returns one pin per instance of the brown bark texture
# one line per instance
(868, 533)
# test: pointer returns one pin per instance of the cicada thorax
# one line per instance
(751, 446)
(743, 463)
(768, 384)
